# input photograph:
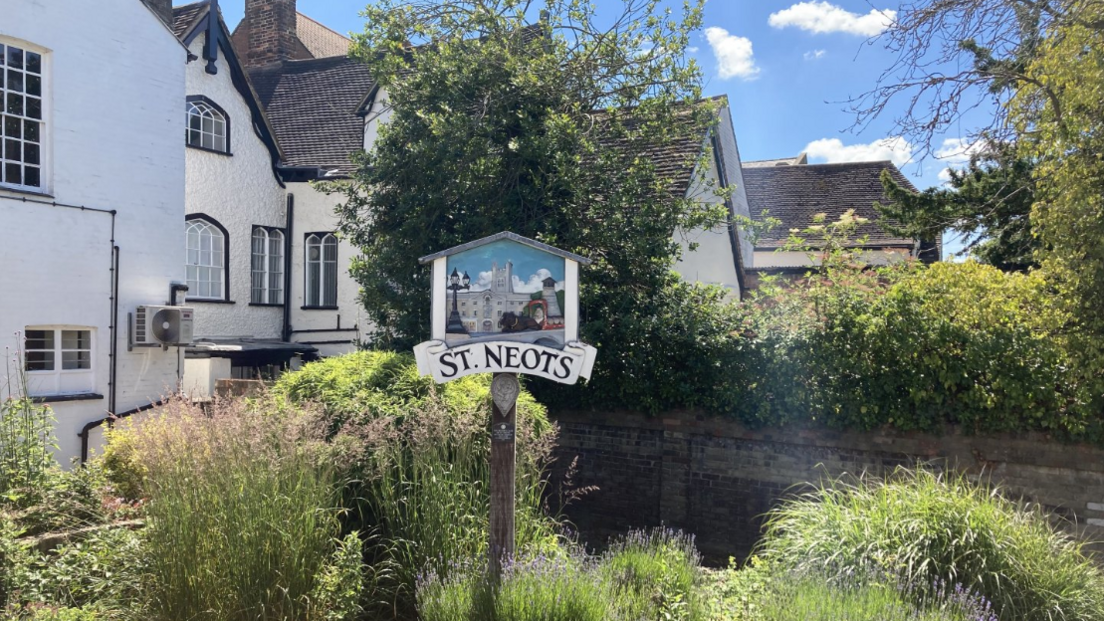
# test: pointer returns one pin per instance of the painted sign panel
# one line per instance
(505, 291)
(505, 304)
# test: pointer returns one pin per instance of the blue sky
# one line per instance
(788, 68)
(531, 266)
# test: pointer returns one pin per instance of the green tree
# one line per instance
(549, 130)
(988, 203)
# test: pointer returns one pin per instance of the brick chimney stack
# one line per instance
(161, 8)
(272, 35)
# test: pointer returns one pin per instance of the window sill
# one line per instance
(38, 193)
(319, 308)
(88, 396)
(262, 304)
(215, 151)
(203, 301)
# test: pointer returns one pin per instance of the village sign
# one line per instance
(505, 304)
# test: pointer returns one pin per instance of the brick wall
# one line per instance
(716, 478)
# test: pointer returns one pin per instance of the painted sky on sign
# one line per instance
(531, 266)
(788, 68)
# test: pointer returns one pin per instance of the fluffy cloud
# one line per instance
(832, 150)
(956, 152)
(823, 17)
(535, 283)
(815, 54)
(734, 55)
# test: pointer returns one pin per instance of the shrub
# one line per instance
(654, 574)
(418, 456)
(27, 439)
(931, 528)
(241, 515)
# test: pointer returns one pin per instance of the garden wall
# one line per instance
(716, 478)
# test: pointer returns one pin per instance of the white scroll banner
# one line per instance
(446, 363)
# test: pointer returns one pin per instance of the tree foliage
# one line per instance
(989, 204)
(543, 129)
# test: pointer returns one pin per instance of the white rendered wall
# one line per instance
(789, 258)
(713, 262)
(200, 375)
(378, 114)
(314, 213)
(115, 80)
(238, 190)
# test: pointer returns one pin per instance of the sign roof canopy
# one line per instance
(505, 235)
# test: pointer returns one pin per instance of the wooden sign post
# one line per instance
(519, 313)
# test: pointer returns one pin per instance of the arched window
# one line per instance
(206, 259)
(321, 270)
(207, 125)
(268, 266)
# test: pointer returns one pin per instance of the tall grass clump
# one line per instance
(816, 598)
(27, 442)
(934, 528)
(417, 454)
(241, 514)
(652, 575)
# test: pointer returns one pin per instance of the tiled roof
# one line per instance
(312, 106)
(185, 16)
(320, 40)
(793, 194)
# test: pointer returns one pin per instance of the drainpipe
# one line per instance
(290, 216)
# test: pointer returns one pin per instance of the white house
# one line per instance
(91, 198)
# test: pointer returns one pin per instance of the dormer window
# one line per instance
(208, 125)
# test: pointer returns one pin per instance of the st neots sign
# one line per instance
(505, 304)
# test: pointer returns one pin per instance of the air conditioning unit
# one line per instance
(164, 325)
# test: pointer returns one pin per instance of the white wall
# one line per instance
(379, 114)
(238, 190)
(115, 78)
(713, 262)
(314, 213)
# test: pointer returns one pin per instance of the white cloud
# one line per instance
(815, 54)
(957, 153)
(822, 17)
(692, 49)
(832, 150)
(735, 58)
(535, 283)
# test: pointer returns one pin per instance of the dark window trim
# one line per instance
(207, 301)
(225, 117)
(269, 229)
(206, 150)
(225, 260)
(86, 396)
(264, 304)
(306, 269)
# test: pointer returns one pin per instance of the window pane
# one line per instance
(31, 154)
(71, 360)
(13, 127)
(32, 177)
(40, 360)
(13, 174)
(34, 107)
(40, 339)
(76, 339)
(15, 57)
(15, 81)
(34, 85)
(30, 131)
(3, 53)
(11, 150)
(34, 62)
(15, 104)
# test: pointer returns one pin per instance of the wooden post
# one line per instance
(504, 392)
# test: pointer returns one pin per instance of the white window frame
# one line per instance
(59, 381)
(321, 270)
(214, 126)
(194, 258)
(267, 266)
(44, 123)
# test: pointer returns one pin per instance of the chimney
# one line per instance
(161, 8)
(272, 35)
